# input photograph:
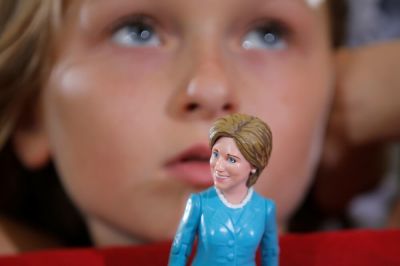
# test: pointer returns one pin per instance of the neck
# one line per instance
(235, 195)
(242, 203)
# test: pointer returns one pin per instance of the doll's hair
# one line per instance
(252, 136)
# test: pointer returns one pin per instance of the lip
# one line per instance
(192, 166)
(220, 178)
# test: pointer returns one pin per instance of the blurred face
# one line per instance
(136, 85)
(229, 169)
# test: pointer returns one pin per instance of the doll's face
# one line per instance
(136, 85)
(229, 169)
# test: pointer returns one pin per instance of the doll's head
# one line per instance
(252, 136)
(120, 95)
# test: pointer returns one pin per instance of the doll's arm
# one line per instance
(183, 241)
(269, 242)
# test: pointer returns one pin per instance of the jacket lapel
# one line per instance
(217, 213)
(248, 216)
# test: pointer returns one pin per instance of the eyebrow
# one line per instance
(231, 155)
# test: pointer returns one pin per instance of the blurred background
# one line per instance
(358, 182)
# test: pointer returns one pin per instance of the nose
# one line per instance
(207, 91)
(219, 165)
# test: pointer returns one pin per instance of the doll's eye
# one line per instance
(135, 32)
(214, 154)
(269, 36)
(231, 159)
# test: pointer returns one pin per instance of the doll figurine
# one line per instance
(231, 220)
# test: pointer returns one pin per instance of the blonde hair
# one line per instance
(252, 136)
(25, 41)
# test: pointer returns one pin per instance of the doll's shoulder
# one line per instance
(197, 198)
(269, 203)
(207, 197)
(207, 193)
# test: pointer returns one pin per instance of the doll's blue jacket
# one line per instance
(220, 240)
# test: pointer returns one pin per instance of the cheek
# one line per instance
(95, 136)
(238, 171)
(212, 163)
(295, 103)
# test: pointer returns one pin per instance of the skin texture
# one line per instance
(230, 170)
(114, 113)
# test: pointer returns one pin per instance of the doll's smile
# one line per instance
(220, 176)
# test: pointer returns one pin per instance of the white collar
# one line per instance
(235, 206)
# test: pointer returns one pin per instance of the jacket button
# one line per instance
(230, 256)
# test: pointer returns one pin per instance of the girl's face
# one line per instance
(229, 169)
(136, 85)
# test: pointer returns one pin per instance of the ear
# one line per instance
(30, 141)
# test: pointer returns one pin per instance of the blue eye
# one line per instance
(135, 33)
(214, 154)
(231, 160)
(270, 36)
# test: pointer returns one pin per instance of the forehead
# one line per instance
(311, 4)
(227, 144)
(90, 11)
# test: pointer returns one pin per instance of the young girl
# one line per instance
(119, 96)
